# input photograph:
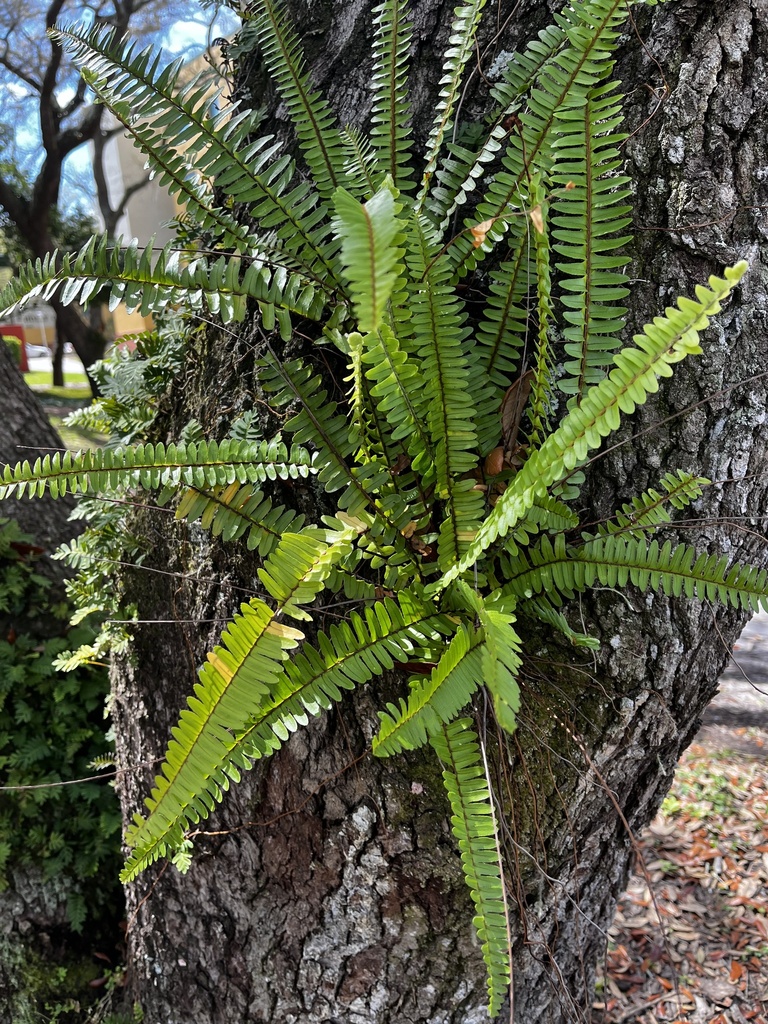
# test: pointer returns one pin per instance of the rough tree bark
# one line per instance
(26, 433)
(328, 887)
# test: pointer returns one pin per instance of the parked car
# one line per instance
(37, 351)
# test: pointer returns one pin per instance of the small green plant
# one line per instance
(456, 457)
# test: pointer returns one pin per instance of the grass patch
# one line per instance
(75, 438)
(60, 401)
(76, 390)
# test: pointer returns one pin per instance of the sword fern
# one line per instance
(449, 460)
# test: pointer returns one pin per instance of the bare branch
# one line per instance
(23, 74)
(110, 214)
(77, 100)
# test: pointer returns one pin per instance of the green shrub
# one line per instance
(14, 344)
(51, 730)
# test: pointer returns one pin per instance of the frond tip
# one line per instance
(475, 829)
(368, 233)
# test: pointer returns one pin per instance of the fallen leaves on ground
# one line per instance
(690, 941)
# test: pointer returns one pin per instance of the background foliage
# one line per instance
(52, 728)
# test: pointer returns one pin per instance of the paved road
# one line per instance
(750, 655)
(743, 696)
(71, 365)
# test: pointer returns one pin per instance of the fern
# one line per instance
(153, 106)
(312, 118)
(399, 396)
(587, 225)
(449, 531)
(635, 375)
(461, 172)
(613, 561)
(501, 661)
(390, 130)
(148, 280)
(648, 510)
(368, 234)
(461, 43)
(350, 654)
(438, 700)
(562, 84)
(437, 320)
(235, 510)
(543, 370)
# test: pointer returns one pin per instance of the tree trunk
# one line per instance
(328, 887)
(89, 344)
(58, 361)
(26, 433)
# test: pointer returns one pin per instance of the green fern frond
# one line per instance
(461, 47)
(635, 375)
(391, 113)
(616, 560)
(369, 234)
(564, 82)
(461, 169)
(387, 455)
(202, 757)
(648, 510)
(234, 510)
(400, 397)
(229, 691)
(503, 328)
(543, 609)
(149, 101)
(359, 162)
(204, 464)
(350, 654)
(154, 107)
(523, 69)
(476, 831)
(588, 220)
(312, 117)
(500, 662)
(439, 334)
(151, 282)
(283, 576)
(502, 333)
(319, 422)
(542, 363)
(366, 487)
(436, 700)
(362, 416)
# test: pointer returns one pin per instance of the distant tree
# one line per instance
(39, 85)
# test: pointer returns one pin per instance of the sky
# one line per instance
(183, 37)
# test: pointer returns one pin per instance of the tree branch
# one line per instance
(109, 214)
(86, 131)
(77, 100)
(18, 71)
